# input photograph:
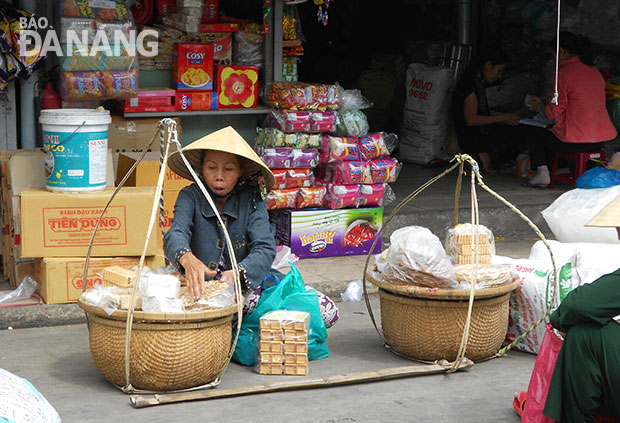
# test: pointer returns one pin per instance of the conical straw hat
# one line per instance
(227, 140)
(609, 217)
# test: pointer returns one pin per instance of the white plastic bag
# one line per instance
(568, 214)
(417, 248)
(353, 291)
(24, 291)
(21, 402)
(284, 257)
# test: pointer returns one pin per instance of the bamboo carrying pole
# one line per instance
(141, 401)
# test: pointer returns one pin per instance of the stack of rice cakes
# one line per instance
(284, 343)
(462, 248)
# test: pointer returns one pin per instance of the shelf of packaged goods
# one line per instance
(259, 110)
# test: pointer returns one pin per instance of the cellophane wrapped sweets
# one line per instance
(339, 148)
(100, 57)
(416, 257)
(283, 343)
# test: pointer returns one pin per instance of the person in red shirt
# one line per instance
(581, 119)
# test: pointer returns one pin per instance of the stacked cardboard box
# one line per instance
(145, 175)
(284, 343)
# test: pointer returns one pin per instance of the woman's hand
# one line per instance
(534, 103)
(195, 272)
(511, 119)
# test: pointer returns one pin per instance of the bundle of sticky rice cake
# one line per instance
(284, 343)
(465, 240)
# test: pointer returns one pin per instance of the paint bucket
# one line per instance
(76, 146)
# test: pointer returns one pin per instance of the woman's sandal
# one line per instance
(518, 403)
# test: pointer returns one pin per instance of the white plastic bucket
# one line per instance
(76, 145)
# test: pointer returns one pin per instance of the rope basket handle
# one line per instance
(165, 127)
(476, 178)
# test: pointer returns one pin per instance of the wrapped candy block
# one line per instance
(293, 121)
(380, 171)
(273, 137)
(373, 146)
(341, 196)
(297, 178)
(282, 198)
(99, 85)
(345, 172)
(311, 197)
(302, 121)
(339, 148)
(371, 195)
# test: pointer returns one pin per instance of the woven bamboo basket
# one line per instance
(169, 352)
(427, 323)
(430, 330)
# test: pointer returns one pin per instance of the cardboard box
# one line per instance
(133, 135)
(146, 173)
(204, 100)
(60, 279)
(61, 225)
(193, 67)
(222, 45)
(236, 86)
(326, 233)
(209, 14)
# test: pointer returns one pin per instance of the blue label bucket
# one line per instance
(76, 145)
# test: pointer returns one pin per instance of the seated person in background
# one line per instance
(581, 119)
(195, 243)
(586, 377)
(479, 131)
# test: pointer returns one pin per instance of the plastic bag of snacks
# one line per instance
(377, 145)
(303, 96)
(282, 198)
(381, 170)
(352, 123)
(339, 148)
(416, 257)
(345, 172)
(465, 241)
(341, 196)
(298, 178)
(101, 66)
(311, 197)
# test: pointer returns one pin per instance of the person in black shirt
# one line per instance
(482, 133)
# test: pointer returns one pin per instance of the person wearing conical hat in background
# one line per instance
(195, 244)
(586, 377)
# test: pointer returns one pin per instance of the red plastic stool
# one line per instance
(580, 159)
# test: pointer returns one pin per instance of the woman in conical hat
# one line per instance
(586, 377)
(195, 243)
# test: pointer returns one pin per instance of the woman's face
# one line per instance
(492, 72)
(221, 171)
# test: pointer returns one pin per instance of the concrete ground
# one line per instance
(57, 361)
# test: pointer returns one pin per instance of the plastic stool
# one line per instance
(580, 159)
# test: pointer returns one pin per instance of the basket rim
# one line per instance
(139, 315)
(436, 302)
(441, 293)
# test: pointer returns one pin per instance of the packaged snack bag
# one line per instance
(311, 197)
(281, 198)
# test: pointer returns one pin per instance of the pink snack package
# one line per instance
(322, 122)
(297, 178)
(371, 195)
(277, 158)
(341, 196)
(380, 171)
(306, 158)
(339, 148)
(311, 197)
(344, 172)
(373, 146)
(280, 176)
(290, 121)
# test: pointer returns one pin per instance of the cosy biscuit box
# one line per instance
(193, 67)
(61, 225)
